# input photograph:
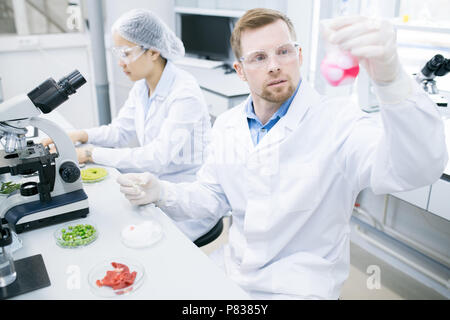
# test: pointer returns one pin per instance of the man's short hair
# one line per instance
(253, 19)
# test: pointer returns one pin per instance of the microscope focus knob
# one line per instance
(69, 172)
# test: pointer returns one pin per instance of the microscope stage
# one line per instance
(30, 154)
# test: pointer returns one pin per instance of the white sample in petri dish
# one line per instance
(142, 235)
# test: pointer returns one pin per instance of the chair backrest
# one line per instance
(211, 235)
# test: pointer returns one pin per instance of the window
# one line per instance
(425, 12)
(26, 17)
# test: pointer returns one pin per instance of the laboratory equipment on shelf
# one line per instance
(436, 66)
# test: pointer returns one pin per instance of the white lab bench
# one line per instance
(175, 268)
(222, 91)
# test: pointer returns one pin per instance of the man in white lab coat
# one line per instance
(289, 163)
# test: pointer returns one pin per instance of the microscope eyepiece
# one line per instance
(437, 66)
(432, 65)
(443, 69)
(72, 82)
(49, 94)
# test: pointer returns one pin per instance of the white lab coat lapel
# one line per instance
(305, 97)
(238, 129)
(146, 112)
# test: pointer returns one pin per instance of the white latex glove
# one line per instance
(140, 188)
(373, 42)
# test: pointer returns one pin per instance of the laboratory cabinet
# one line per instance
(418, 197)
(434, 198)
(218, 103)
(439, 202)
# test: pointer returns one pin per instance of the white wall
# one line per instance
(27, 61)
(113, 9)
(301, 15)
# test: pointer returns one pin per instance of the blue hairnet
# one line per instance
(144, 28)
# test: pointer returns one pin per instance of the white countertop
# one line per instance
(175, 268)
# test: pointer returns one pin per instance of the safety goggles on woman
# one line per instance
(128, 55)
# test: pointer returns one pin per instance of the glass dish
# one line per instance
(88, 175)
(98, 272)
(77, 241)
(142, 235)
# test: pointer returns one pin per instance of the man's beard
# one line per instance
(278, 97)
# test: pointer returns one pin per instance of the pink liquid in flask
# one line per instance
(339, 68)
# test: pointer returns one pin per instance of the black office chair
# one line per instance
(215, 232)
(211, 235)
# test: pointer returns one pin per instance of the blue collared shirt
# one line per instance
(257, 129)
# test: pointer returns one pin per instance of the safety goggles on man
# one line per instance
(128, 55)
(283, 54)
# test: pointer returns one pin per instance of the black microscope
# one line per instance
(436, 66)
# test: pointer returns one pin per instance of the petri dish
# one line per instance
(93, 174)
(142, 235)
(68, 236)
(99, 271)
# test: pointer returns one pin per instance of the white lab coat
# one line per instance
(292, 195)
(172, 129)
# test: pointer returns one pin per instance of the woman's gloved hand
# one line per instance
(140, 188)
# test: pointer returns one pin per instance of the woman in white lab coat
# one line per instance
(165, 111)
